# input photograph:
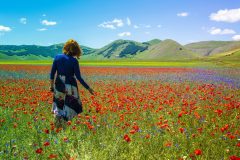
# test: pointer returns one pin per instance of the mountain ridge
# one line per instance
(154, 49)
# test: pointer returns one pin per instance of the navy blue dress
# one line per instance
(66, 99)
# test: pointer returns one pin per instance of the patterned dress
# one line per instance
(66, 99)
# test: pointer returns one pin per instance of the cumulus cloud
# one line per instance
(41, 29)
(112, 24)
(183, 14)
(48, 23)
(124, 34)
(236, 38)
(226, 15)
(129, 21)
(159, 26)
(5, 28)
(136, 26)
(219, 31)
(23, 20)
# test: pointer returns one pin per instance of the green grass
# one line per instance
(129, 63)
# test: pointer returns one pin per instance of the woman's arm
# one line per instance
(52, 73)
(78, 75)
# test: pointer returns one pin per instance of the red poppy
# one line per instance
(132, 131)
(181, 130)
(52, 156)
(69, 123)
(234, 158)
(127, 138)
(46, 144)
(39, 151)
(238, 144)
(65, 139)
(46, 131)
(198, 152)
(147, 136)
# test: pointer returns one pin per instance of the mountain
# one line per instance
(121, 49)
(209, 48)
(167, 50)
(157, 50)
(45, 51)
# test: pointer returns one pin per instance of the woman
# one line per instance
(66, 100)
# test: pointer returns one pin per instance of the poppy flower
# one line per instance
(238, 144)
(147, 136)
(127, 138)
(46, 131)
(52, 156)
(69, 123)
(132, 131)
(39, 151)
(198, 152)
(46, 144)
(181, 130)
(234, 158)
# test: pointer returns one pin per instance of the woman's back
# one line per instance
(65, 64)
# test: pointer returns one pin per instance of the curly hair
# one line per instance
(72, 48)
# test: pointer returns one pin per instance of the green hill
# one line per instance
(45, 51)
(121, 49)
(167, 50)
(23, 57)
(233, 55)
(152, 42)
(208, 48)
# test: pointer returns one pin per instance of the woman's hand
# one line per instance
(51, 89)
(91, 91)
(51, 86)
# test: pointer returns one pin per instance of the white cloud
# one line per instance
(236, 38)
(226, 15)
(136, 26)
(23, 20)
(147, 26)
(42, 29)
(219, 31)
(159, 26)
(183, 14)
(48, 23)
(112, 24)
(123, 34)
(129, 21)
(147, 33)
(5, 29)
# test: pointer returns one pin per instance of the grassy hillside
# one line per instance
(233, 55)
(121, 49)
(44, 51)
(23, 57)
(167, 50)
(208, 48)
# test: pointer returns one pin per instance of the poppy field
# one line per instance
(136, 113)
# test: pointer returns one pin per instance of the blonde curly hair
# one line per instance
(72, 48)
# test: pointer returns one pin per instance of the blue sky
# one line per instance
(95, 23)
